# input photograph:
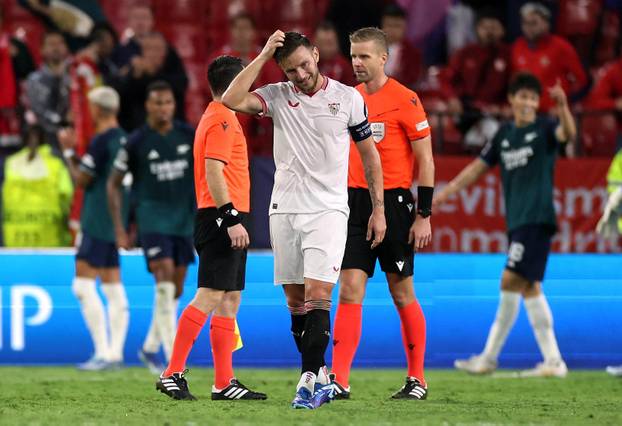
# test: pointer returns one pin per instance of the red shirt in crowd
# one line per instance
(478, 72)
(608, 87)
(549, 59)
(405, 66)
(338, 68)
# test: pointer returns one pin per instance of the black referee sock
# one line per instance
(298, 326)
(315, 340)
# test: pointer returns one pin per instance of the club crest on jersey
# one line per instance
(529, 137)
(334, 108)
(182, 149)
(377, 131)
(153, 155)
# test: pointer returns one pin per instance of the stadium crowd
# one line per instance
(459, 59)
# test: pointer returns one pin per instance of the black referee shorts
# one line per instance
(394, 253)
(220, 266)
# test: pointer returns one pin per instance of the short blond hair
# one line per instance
(371, 34)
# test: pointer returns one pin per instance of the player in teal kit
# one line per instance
(97, 254)
(525, 150)
(159, 157)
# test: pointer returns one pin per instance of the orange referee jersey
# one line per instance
(396, 117)
(219, 136)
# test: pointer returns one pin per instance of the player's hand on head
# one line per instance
(420, 233)
(557, 93)
(239, 237)
(274, 41)
(376, 228)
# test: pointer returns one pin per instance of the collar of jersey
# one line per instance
(323, 87)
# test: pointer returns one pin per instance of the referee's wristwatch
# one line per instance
(424, 213)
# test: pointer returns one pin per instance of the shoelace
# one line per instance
(182, 383)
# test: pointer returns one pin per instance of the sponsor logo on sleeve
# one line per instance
(422, 125)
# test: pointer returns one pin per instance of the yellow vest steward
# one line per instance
(614, 178)
(36, 196)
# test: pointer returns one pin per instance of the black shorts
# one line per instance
(394, 253)
(98, 253)
(529, 250)
(220, 266)
(162, 246)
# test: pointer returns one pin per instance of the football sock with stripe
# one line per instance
(223, 339)
(507, 311)
(191, 322)
(413, 338)
(541, 320)
(165, 315)
(85, 289)
(118, 318)
(346, 337)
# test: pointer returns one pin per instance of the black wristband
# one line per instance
(230, 216)
(424, 200)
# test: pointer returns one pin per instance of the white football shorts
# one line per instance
(308, 246)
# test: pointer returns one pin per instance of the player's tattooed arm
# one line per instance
(377, 225)
(238, 96)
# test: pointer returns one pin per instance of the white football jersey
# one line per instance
(312, 143)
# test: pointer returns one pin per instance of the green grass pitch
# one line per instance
(63, 396)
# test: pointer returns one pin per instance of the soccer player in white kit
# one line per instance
(314, 118)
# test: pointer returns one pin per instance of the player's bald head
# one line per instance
(371, 34)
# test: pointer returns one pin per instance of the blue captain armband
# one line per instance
(360, 132)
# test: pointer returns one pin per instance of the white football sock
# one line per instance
(322, 376)
(307, 380)
(541, 320)
(152, 340)
(118, 318)
(507, 311)
(85, 289)
(165, 315)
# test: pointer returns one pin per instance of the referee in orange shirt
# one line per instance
(222, 187)
(402, 134)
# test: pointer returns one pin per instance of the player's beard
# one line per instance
(313, 82)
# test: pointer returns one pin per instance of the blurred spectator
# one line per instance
(404, 63)
(332, 63)
(15, 65)
(607, 90)
(98, 53)
(243, 44)
(150, 66)
(350, 15)
(547, 56)
(141, 23)
(460, 23)
(36, 194)
(476, 79)
(47, 89)
(74, 19)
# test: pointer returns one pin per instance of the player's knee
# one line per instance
(350, 292)
(207, 299)
(402, 293)
(83, 287)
